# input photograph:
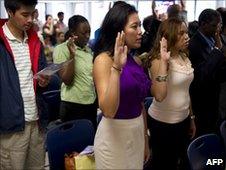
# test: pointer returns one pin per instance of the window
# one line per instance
(98, 12)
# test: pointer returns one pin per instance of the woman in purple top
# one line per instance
(121, 140)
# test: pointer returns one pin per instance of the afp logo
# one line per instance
(214, 162)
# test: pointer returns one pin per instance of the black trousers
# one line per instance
(169, 144)
(73, 111)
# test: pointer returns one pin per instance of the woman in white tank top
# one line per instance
(171, 73)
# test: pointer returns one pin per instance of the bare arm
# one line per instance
(68, 72)
(145, 119)
(49, 30)
(192, 130)
(218, 42)
(153, 9)
(159, 70)
(158, 89)
(107, 77)
(146, 137)
(182, 3)
(107, 84)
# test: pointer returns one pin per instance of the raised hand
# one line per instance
(154, 10)
(71, 45)
(120, 53)
(165, 55)
(218, 42)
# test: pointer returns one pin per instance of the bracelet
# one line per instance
(161, 78)
(192, 117)
(146, 136)
(118, 69)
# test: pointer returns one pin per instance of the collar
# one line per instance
(86, 48)
(10, 36)
(210, 41)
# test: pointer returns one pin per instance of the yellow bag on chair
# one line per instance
(85, 162)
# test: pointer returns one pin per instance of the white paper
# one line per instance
(87, 150)
(51, 69)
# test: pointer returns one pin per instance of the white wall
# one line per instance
(95, 10)
(3, 13)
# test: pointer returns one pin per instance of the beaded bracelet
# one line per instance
(161, 78)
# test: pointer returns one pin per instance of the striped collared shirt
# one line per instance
(20, 50)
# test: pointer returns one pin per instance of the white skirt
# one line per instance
(119, 144)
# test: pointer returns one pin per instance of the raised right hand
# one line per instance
(165, 55)
(120, 53)
(71, 45)
(218, 42)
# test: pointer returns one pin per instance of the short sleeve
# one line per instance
(61, 53)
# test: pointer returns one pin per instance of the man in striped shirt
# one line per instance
(21, 106)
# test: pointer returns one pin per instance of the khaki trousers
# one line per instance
(23, 150)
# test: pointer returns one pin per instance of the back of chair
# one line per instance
(66, 138)
(204, 151)
(223, 131)
(223, 135)
(52, 98)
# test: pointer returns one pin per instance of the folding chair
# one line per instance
(66, 138)
(52, 98)
(204, 153)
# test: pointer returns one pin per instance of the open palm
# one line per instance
(71, 45)
(165, 55)
(120, 53)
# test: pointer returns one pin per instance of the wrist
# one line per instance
(72, 55)
(162, 78)
(164, 61)
(117, 68)
(113, 70)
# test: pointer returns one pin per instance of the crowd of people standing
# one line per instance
(180, 65)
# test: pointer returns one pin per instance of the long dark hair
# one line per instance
(168, 29)
(114, 22)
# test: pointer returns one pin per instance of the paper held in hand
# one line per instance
(51, 69)
(88, 150)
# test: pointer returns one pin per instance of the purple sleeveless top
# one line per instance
(134, 87)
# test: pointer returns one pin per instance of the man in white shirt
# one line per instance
(22, 110)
